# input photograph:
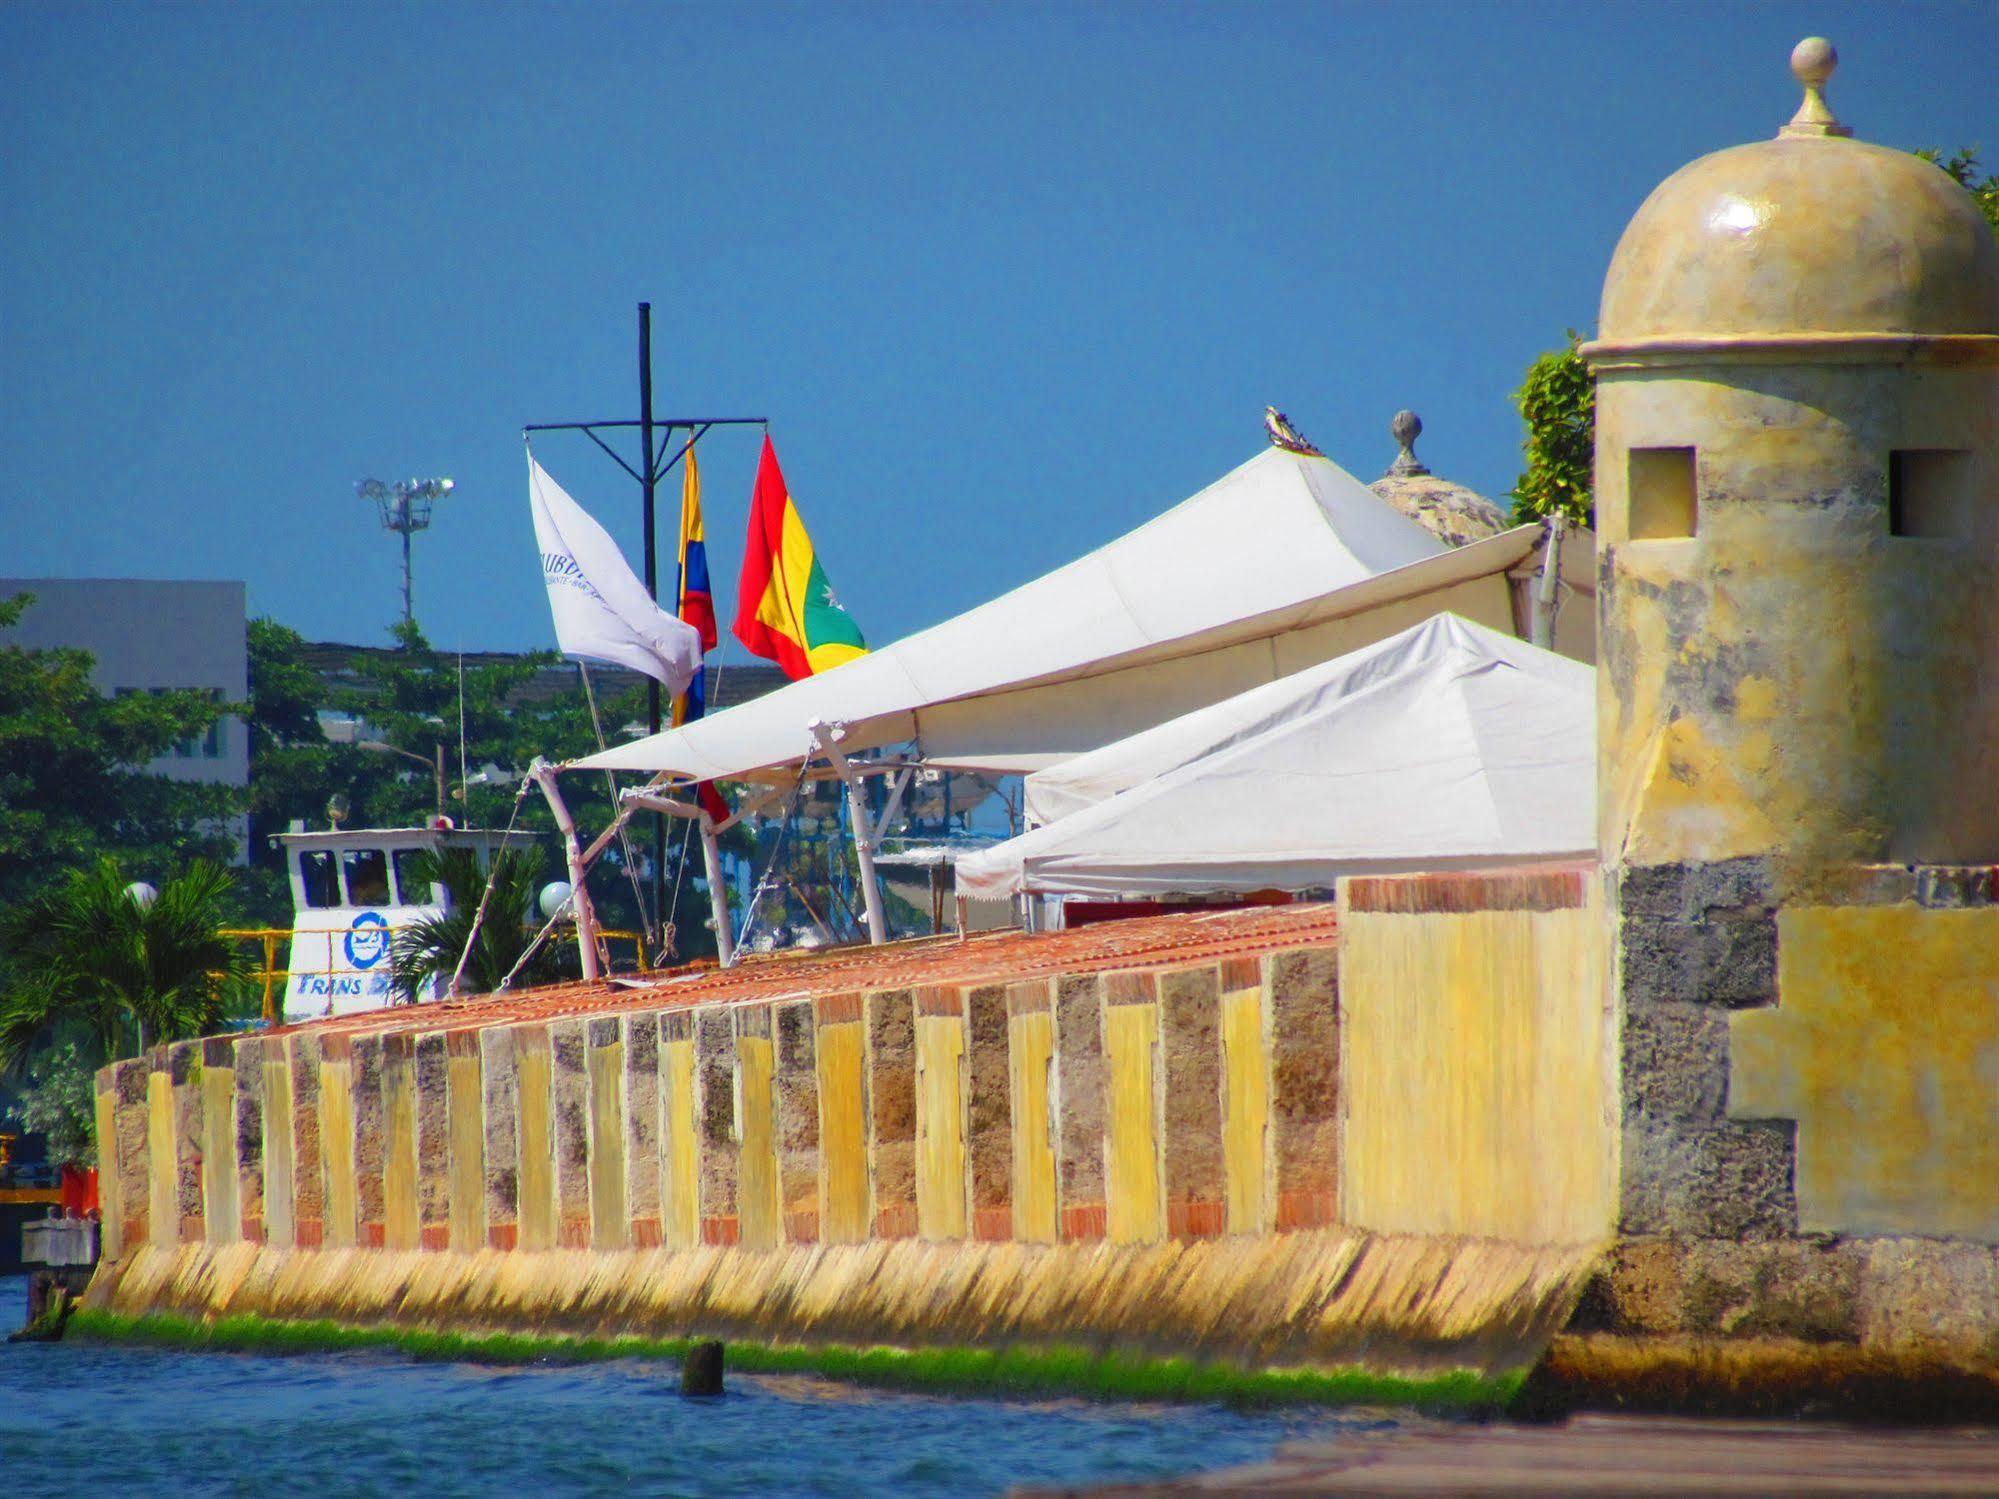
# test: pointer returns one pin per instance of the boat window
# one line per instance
(321, 881)
(411, 888)
(367, 872)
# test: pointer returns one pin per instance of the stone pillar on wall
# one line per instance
(569, 1045)
(433, 1141)
(840, 1072)
(942, 1179)
(797, 1086)
(891, 1038)
(988, 1115)
(249, 1107)
(220, 1190)
(499, 1076)
(1305, 1091)
(610, 1210)
(715, 1133)
(759, 1208)
(639, 1035)
(465, 1107)
(1033, 1128)
(1191, 1058)
(1079, 1105)
(370, 1141)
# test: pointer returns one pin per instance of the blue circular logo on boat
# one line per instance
(367, 940)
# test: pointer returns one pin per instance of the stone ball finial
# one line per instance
(1405, 429)
(1812, 64)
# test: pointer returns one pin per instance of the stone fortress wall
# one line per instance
(1116, 1153)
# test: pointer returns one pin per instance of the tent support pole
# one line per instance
(864, 837)
(1547, 594)
(718, 895)
(572, 851)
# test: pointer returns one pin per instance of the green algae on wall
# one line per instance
(1018, 1372)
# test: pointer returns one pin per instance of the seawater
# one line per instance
(81, 1417)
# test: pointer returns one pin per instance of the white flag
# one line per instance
(601, 610)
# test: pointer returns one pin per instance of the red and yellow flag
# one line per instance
(785, 611)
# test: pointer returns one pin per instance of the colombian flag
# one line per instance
(695, 604)
(784, 609)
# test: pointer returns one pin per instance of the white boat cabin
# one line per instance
(353, 890)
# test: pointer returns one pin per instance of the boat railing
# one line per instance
(274, 978)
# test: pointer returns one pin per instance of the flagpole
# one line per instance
(651, 482)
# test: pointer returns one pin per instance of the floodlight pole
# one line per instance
(655, 466)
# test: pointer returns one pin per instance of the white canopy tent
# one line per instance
(1235, 564)
(1447, 746)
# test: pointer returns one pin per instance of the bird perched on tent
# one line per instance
(1286, 436)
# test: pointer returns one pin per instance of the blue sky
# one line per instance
(1006, 280)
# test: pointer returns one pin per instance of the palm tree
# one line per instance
(89, 958)
(429, 949)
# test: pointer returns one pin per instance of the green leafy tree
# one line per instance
(89, 964)
(1962, 167)
(73, 783)
(58, 1101)
(1557, 400)
(429, 949)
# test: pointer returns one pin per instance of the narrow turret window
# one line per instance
(1663, 495)
(1927, 494)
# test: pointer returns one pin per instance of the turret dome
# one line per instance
(1811, 233)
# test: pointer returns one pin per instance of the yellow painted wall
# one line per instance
(1246, 1111)
(162, 1198)
(336, 1151)
(280, 1162)
(465, 1085)
(843, 1132)
(1136, 1209)
(400, 1221)
(111, 1240)
(534, 1066)
(221, 1194)
(759, 1209)
(680, 1162)
(941, 1182)
(610, 1221)
(1478, 1085)
(1884, 1046)
(1030, 1054)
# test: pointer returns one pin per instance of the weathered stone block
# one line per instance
(1689, 892)
(891, 1042)
(500, 1083)
(370, 1139)
(1079, 1102)
(640, 1035)
(715, 1068)
(1686, 1167)
(248, 1066)
(308, 1163)
(798, 1120)
(1728, 959)
(1930, 1295)
(1304, 1084)
(433, 1140)
(568, 1042)
(989, 1140)
(1190, 1043)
